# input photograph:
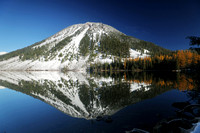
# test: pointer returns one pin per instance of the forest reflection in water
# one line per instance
(174, 80)
(105, 96)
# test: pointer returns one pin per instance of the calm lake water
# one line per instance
(53, 102)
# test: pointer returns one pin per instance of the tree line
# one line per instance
(179, 60)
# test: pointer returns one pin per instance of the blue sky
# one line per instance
(163, 22)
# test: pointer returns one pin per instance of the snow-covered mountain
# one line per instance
(75, 47)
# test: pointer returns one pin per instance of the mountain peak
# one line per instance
(93, 22)
(94, 27)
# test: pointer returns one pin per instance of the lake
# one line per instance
(54, 102)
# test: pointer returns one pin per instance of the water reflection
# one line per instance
(88, 96)
(101, 95)
(181, 81)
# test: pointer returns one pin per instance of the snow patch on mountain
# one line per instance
(139, 53)
(15, 64)
(2, 53)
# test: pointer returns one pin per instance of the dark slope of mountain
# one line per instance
(76, 46)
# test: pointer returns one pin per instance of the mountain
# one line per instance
(77, 46)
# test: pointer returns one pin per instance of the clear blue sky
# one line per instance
(163, 22)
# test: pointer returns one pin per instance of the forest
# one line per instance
(179, 60)
(173, 61)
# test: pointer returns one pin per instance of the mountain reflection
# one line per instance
(88, 96)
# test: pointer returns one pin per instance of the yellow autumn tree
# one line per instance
(181, 59)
